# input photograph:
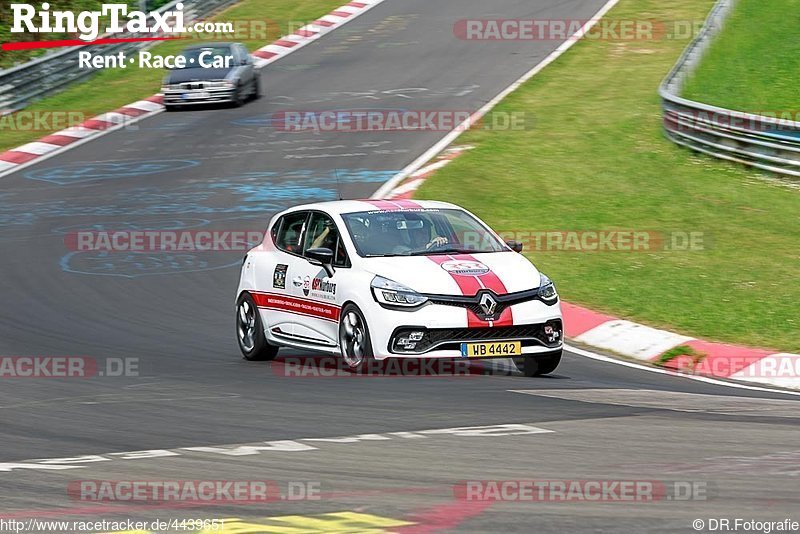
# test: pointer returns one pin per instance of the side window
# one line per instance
(322, 233)
(290, 232)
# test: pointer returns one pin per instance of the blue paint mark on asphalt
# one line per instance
(138, 264)
(175, 224)
(88, 171)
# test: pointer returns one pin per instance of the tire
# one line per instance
(257, 88)
(354, 340)
(250, 332)
(537, 365)
(169, 108)
(238, 98)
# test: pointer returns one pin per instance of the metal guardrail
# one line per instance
(767, 143)
(22, 85)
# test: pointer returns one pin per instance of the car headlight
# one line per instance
(169, 87)
(390, 293)
(547, 290)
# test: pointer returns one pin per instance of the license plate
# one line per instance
(491, 350)
(200, 94)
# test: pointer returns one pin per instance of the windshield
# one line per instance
(419, 233)
(213, 55)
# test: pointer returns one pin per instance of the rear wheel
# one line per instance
(354, 340)
(536, 365)
(257, 88)
(250, 332)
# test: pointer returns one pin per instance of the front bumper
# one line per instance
(188, 97)
(439, 330)
(541, 337)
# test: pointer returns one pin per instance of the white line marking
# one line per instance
(631, 339)
(704, 379)
(453, 135)
(251, 449)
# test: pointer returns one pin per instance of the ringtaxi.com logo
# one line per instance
(87, 24)
(66, 367)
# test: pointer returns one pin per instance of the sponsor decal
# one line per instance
(553, 334)
(298, 306)
(465, 267)
(279, 276)
(319, 287)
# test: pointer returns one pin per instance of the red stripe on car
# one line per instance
(297, 306)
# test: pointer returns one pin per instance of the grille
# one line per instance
(473, 303)
(451, 338)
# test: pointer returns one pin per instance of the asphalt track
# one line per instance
(231, 169)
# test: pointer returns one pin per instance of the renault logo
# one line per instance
(488, 304)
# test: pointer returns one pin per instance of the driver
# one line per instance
(422, 235)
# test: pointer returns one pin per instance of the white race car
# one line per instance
(376, 279)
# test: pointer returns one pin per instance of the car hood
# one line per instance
(193, 75)
(458, 274)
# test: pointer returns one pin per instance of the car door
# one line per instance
(276, 278)
(312, 283)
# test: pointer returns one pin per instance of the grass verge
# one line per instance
(596, 159)
(752, 65)
(113, 88)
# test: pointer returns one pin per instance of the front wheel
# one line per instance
(354, 340)
(250, 332)
(257, 88)
(536, 365)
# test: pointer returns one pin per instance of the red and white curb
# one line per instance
(59, 142)
(64, 140)
(408, 187)
(645, 343)
(312, 32)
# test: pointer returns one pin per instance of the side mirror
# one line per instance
(321, 256)
(516, 246)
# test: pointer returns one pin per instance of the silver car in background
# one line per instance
(213, 73)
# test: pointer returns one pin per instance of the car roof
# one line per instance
(339, 207)
(209, 45)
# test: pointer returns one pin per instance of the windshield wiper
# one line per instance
(437, 251)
